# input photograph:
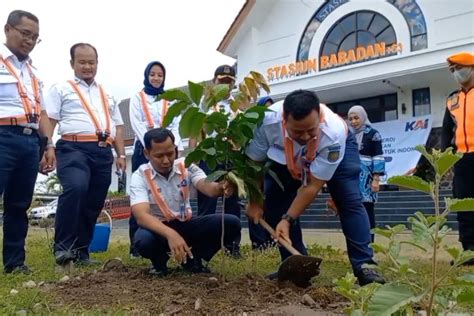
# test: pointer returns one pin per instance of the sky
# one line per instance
(182, 34)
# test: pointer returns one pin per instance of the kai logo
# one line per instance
(416, 125)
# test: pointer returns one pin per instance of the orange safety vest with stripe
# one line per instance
(461, 107)
(32, 113)
(146, 111)
(185, 212)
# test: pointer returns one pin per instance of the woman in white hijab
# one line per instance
(371, 156)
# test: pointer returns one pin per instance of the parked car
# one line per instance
(43, 212)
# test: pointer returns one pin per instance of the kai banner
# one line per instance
(399, 139)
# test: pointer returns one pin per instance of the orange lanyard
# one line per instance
(311, 148)
(186, 211)
(31, 113)
(87, 107)
(310, 155)
(148, 117)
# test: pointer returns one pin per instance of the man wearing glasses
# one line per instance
(23, 122)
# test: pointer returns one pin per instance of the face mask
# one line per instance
(463, 75)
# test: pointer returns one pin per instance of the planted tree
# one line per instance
(222, 137)
(441, 291)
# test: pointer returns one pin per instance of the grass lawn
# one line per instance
(117, 293)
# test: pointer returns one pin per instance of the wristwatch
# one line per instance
(287, 217)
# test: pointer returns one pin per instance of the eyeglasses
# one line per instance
(27, 35)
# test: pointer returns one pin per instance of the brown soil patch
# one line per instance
(133, 289)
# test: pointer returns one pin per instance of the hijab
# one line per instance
(264, 100)
(364, 120)
(149, 89)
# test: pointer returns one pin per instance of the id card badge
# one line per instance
(305, 172)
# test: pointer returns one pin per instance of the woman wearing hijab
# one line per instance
(371, 157)
(147, 113)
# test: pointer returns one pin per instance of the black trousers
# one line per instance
(369, 207)
(138, 159)
(463, 187)
(85, 173)
(19, 153)
(208, 205)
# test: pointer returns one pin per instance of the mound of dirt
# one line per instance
(133, 289)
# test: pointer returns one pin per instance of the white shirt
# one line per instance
(268, 142)
(10, 101)
(169, 188)
(63, 104)
(140, 123)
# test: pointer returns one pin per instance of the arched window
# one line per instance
(358, 29)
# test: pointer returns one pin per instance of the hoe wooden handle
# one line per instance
(282, 241)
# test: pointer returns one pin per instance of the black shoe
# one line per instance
(87, 262)
(23, 269)
(158, 272)
(272, 276)
(64, 257)
(195, 266)
(367, 275)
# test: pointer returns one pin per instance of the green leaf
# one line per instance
(174, 94)
(217, 120)
(239, 183)
(246, 131)
(414, 244)
(194, 157)
(466, 296)
(174, 111)
(466, 255)
(389, 298)
(220, 92)
(378, 248)
(446, 161)
(216, 175)
(411, 182)
(195, 91)
(251, 115)
(210, 151)
(387, 233)
(466, 279)
(460, 205)
(424, 152)
(191, 123)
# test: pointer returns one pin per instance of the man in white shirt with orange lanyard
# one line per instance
(223, 74)
(22, 122)
(89, 124)
(309, 146)
(159, 196)
(147, 113)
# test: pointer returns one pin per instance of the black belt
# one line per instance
(20, 130)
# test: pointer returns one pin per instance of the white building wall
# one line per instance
(277, 29)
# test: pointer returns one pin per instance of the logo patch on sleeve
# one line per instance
(333, 153)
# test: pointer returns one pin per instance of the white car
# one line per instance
(42, 212)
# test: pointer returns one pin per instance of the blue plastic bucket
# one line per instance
(100, 241)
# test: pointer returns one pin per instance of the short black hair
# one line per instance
(72, 51)
(300, 103)
(157, 135)
(14, 18)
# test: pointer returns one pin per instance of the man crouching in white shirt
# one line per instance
(159, 196)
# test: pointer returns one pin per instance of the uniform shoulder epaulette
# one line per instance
(453, 93)
(452, 100)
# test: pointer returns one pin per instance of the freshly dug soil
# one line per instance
(133, 289)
